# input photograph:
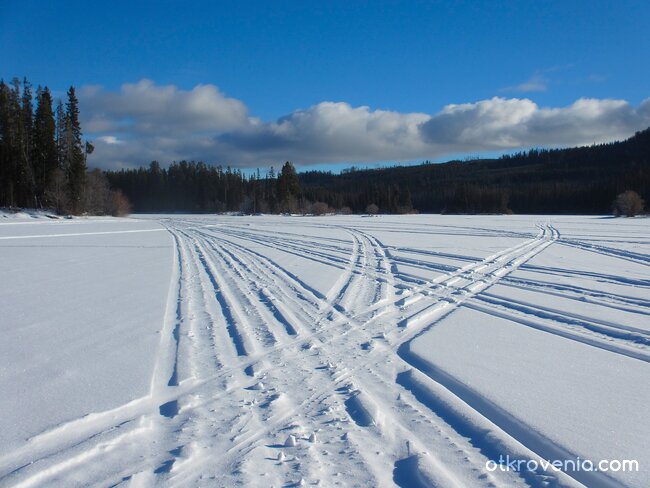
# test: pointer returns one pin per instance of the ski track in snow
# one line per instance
(262, 379)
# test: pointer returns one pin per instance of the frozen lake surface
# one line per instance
(267, 351)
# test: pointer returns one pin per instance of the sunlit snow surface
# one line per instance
(339, 351)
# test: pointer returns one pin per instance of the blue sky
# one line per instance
(255, 83)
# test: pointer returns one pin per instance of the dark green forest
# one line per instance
(43, 159)
(576, 180)
(583, 180)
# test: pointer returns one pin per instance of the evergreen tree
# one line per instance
(43, 161)
(74, 160)
(6, 174)
(288, 187)
(44, 144)
(16, 183)
(60, 135)
(27, 109)
(270, 190)
(25, 170)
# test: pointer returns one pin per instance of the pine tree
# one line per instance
(27, 110)
(25, 170)
(60, 135)
(44, 154)
(13, 162)
(271, 183)
(74, 160)
(6, 175)
(288, 187)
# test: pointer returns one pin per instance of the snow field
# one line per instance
(339, 351)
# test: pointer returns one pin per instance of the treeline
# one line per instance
(197, 187)
(43, 158)
(582, 180)
(43, 165)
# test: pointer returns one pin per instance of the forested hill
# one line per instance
(577, 180)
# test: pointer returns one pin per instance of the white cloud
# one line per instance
(536, 83)
(145, 108)
(331, 132)
(501, 123)
(109, 140)
(144, 121)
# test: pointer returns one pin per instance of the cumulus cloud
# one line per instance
(331, 132)
(146, 108)
(501, 123)
(144, 121)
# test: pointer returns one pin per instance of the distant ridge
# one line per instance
(581, 180)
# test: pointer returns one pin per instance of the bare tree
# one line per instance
(96, 196)
(121, 206)
(372, 209)
(56, 193)
(320, 208)
(628, 203)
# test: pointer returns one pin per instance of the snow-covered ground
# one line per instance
(331, 351)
